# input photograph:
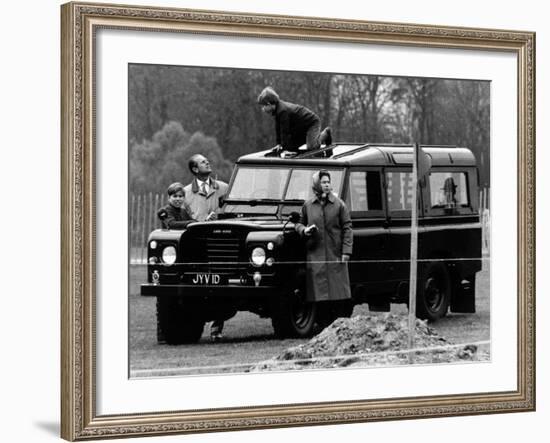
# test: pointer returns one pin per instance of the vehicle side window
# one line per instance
(299, 187)
(399, 191)
(448, 190)
(365, 191)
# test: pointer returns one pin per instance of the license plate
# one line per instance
(206, 279)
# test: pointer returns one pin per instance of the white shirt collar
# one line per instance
(206, 183)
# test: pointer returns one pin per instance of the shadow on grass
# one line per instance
(250, 338)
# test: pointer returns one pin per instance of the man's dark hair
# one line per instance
(193, 163)
(268, 97)
(324, 173)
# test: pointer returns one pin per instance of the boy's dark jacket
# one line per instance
(291, 124)
(174, 218)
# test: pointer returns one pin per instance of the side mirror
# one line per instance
(294, 217)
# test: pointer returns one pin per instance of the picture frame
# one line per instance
(79, 396)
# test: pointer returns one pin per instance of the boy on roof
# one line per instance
(295, 125)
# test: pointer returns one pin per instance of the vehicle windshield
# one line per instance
(257, 185)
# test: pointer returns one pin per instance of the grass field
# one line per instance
(249, 339)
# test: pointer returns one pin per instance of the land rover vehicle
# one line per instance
(251, 258)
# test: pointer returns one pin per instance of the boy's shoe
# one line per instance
(327, 136)
(216, 336)
(288, 154)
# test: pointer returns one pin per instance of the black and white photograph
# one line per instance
(292, 217)
(300, 221)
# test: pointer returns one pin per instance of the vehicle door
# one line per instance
(398, 184)
(364, 198)
(452, 224)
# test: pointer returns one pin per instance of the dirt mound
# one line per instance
(371, 340)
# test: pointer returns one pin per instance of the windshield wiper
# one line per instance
(294, 200)
(233, 201)
(263, 201)
(253, 201)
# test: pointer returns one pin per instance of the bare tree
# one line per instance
(422, 106)
(221, 103)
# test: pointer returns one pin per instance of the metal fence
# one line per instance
(143, 219)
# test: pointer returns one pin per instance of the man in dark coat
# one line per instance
(295, 125)
(326, 224)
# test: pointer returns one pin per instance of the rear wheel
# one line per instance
(178, 322)
(293, 316)
(434, 292)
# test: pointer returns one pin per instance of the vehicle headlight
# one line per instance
(258, 256)
(153, 244)
(169, 255)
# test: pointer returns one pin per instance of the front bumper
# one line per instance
(210, 291)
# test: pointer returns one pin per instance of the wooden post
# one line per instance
(136, 228)
(414, 253)
(150, 222)
(480, 200)
(132, 227)
(155, 209)
(141, 221)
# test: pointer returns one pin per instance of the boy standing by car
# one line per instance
(176, 214)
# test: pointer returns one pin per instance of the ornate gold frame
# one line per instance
(79, 420)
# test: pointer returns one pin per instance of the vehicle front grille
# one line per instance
(223, 254)
(215, 249)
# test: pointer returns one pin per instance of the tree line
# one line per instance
(175, 112)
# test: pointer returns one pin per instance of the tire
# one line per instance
(178, 322)
(331, 310)
(294, 317)
(433, 292)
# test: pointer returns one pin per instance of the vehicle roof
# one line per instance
(370, 154)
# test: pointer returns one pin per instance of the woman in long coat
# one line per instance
(326, 224)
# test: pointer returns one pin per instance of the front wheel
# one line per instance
(178, 322)
(434, 292)
(331, 310)
(293, 316)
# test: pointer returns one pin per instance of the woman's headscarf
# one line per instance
(316, 182)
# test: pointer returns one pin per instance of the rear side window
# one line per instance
(365, 191)
(399, 191)
(448, 190)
